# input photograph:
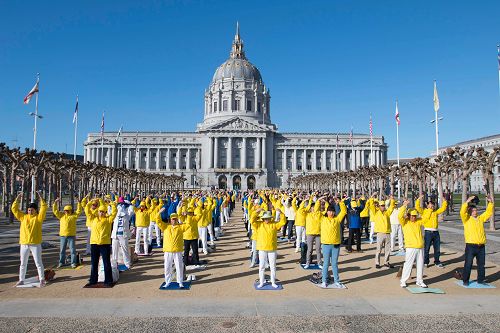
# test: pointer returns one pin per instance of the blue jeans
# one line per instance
(432, 237)
(331, 254)
(474, 251)
(65, 241)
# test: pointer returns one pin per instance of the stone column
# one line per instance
(258, 154)
(243, 164)
(264, 152)
(167, 157)
(211, 152)
(127, 158)
(283, 163)
(148, 158)
(178, 162)
(323, 160)
(229, 153)
(294, 160)
(216, 152)
(198, 159)
(304, 160)
(112, 157)
(158, 156)
(315, 160)
(377, 158)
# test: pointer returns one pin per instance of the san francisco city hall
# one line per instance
(236, 146)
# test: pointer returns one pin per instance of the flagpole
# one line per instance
(436, 121)
(498, 56)
(33, 182)
(397, 151)
(76, 129)
(102, 139)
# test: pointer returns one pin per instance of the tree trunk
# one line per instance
(491, 190)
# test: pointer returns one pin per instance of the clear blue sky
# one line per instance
(328, 64)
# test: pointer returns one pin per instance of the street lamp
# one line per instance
(436, 121)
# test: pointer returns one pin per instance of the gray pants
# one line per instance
(310, 240)
(383, 241)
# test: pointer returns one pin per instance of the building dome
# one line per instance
(237, 68)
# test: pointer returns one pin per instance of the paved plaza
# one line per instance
(223, 297)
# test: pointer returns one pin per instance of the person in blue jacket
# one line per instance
(354, 221)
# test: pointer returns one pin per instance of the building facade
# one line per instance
(476, 178)
(236, 146)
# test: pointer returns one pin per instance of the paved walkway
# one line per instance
(224, 292)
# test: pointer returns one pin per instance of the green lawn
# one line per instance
(457, 199)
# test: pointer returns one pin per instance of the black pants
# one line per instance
(479, 252)
(365, 223)
(193, 245)
(103, 251)
(432, 238)
(288, 228)
(354, 232)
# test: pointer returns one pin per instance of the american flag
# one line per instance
(397, 114)
(436, 98)
(102, 126)
(33, 91)
(498, 50)
(371, 126)
(75, 114)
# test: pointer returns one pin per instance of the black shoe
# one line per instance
(466, 283)
(377, 266)
(389, 265)
(107, 285)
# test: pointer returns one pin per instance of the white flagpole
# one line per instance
(397, 148)
(33, 182)
(76, 128)
(102, 141)
(498, 56)
(436, 121)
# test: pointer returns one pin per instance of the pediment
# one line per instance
(98, 141)
(236, 124)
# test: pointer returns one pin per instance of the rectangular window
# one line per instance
(309, 167)
(249, 105)
(224, 105)
(299, 167)
(258, 107)
(237, 104)
(215, 107)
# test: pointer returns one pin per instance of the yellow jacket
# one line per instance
(429, 216)
(267, 232)
(173, 240)
(88, 211)
(412, 231)
(205, 214)
(330, 227)
(381, 219)
(302, 211)
(31, 225)
(67, 222)
(142, 217)
(474, 227)
(191, 223)
(365, 211)
(313, 220)
(101, 227)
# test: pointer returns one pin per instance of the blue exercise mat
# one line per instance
(420, 290)
(122, 268)
(175, 286)
(474, 285)
(315, 266)
(282, 240)
(268, 286)
(398, 254)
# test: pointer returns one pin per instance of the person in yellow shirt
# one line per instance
(100, 242)
(431, 236)
(67, 231)
(190, 235)
(142, 221)
(330, 242)
(30, 236)
(475, 238)
(414, 244)
(172, 246)
(313, 231)
(380, 214)
(266, 230)
(300, 222)
(93, 208)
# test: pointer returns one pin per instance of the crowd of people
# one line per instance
(182, 222)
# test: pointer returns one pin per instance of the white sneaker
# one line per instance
(252, 265)
(421, 285)
(323, 285)
(19, 283)
(275, 286)
(181, 286)
(166, 285)
(338, 285)
(205, 252)
(402, 284)
(42, 284)
(320, 266)
(306, 266)
(260, 285)
(296, 250)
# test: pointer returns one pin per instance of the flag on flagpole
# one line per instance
(337, 141)
(397, 114)
(436, 98)
(102, 126)
(350, 135)
(33, 91)
(371, 126)
(498, 50)
(119, 132)
(75, 114)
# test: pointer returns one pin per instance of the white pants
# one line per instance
(144, 232)
(396, 231)
(225, 210)
(254, 252)
(271, 256)
(202, 232)
(411, 255)
(176, 258)
(36, 252)
(300, 232)
(372, 230)
(157, 232)
(211, 233)
(120, 243)
(87, 249)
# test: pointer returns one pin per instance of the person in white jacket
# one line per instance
(396, 231)
(289, 205)
(121, 232)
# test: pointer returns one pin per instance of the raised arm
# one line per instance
(402, 213)
(443, 207)
(418, 205)
(464, 214)
(343, 211)
(15, 208)
(489, 211)
(55, 209)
